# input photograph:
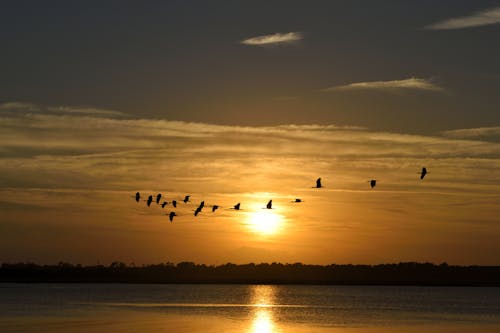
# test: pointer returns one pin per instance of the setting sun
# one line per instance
(265, 222)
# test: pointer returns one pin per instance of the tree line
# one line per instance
(406, 273)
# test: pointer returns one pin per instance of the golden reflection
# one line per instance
(262, 322)
(262, 298)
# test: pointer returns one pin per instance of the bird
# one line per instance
(237, 206)
(423, 173)
(373, 182)
(174, 203)
(158, 197)
(186, 199)
(214, 208)
(171, 216)
(318, 183)
(197, 211)
(269, 205)
(297, 200)
(150, 199)
(164, 204)
(137, 197)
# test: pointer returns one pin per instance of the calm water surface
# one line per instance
(245, 308)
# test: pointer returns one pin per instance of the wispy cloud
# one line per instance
(274, 39)
(22, 108)
(73, 150)
(470, 133)
(485, 17)
(406, 84)
(84, 137)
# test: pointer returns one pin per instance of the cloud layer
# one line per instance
(405, 84)
(489, 133)
(49, 149)
(274, 39)
(482, 18)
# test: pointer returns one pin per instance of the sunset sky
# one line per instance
(248, 101)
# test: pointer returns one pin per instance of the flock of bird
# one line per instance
(172, 214)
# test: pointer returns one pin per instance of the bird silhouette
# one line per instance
(171, 216)
(137, 197)
(150, 199)
(186, 198)
(197, 211)
(269, 205)
(158, 197)
(174, 203)
(423, 173)
(297, 200)
(164, 204)
(373, 182)
(214, 208)
(237, 206)
(318, 183)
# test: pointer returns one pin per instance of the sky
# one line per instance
(250, 101)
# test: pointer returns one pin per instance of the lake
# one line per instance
(246, 308)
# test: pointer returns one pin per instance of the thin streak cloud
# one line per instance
(274, 39)
(22, 108)
(482, 18)
(407, 84)
(468, 133)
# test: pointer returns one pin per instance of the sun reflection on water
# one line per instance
(262, 322)
(262, 298)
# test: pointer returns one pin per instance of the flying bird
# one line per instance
(373, 182)
(197, 211)
(174, 203)
(186, 199)
(269, 205)
(297, 200)
(237, 206)
(150, 199)
(164, 204)
(137, 196)
(171, 216)
(423, 173)
(158, 197)
(214, 208)
(318, 183)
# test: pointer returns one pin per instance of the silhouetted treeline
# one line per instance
(409, 273)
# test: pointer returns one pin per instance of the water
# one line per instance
(245, 308)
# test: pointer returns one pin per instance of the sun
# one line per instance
(265, 222)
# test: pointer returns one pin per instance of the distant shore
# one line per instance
(408, 273)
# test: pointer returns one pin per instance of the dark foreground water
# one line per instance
(246, 308)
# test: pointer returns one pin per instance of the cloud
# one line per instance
(274, 39)
(81, 151)
(485, 17)
(10, 106)
(477, 133)
(48, 134)
(22, 108)
(407, 84)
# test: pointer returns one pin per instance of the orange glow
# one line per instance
(262, 322)
(265, 222)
